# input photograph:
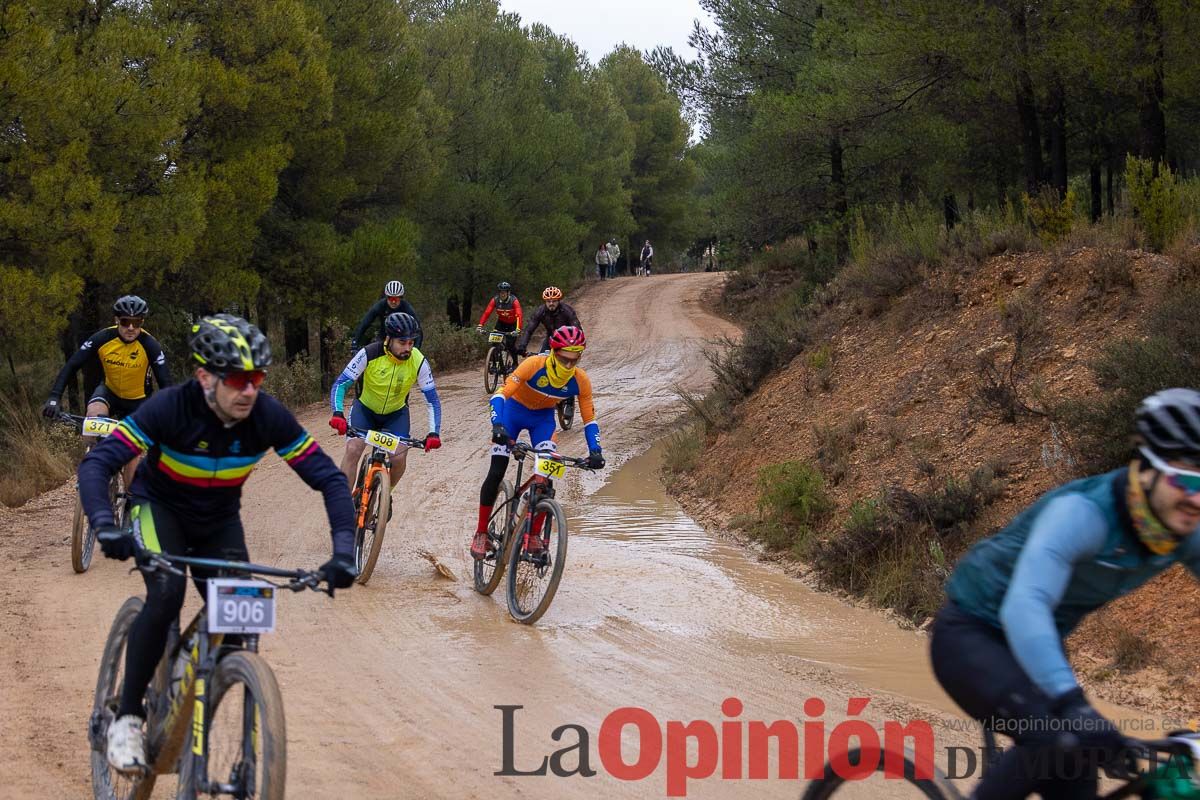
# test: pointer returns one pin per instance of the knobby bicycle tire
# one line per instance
(489, 572)
(83, 536)
(379, 501)
(566, 414)
(107, 783)
(937, 787)
(493, 367)
(251, 671)
(522, 572)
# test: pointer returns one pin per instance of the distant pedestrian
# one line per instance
(614, 254)
(602, 262)
(453, 312)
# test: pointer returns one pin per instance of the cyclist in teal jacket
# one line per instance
(997, 643)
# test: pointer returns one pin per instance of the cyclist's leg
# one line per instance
(541, 433)
(159, 531)
(398, 423)
(224, 540)
(119, 408)
(975, 666)
(360, 417)
(510, 342)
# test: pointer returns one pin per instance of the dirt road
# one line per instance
(391, 689)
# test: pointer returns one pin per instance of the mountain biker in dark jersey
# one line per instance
(201, 440)
(392, 301)
(555, 313)
(997, 643)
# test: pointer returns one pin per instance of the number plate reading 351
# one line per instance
(98, 426)
(496, 337)
(236, 605)
(384, 441)
(549, 467)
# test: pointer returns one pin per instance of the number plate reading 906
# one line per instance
(240, 606)
(382, 440)
(549, 467)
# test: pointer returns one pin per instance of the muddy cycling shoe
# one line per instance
(479, 545)
(127, 745)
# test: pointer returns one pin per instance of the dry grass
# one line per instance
(37, 456)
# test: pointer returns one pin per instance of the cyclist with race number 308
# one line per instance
(201, 440)
(526, 402)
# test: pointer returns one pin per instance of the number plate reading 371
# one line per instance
(98, 426)
(496, 337)
(382, 440)
(549, 467)
(236, 605)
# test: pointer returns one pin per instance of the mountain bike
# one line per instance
(373, 495)
(1172, 778)
(500, 361)
(83, 538)
(211, 683)
(527, 536)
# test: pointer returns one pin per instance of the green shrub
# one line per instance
(1052, 216)
(835, 442)
(1157, 198)
(791, 501)
(450, 348)
(683, 449)
(296, 383)
(37, 456)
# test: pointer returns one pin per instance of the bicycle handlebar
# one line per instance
(522, 450)
(300, 579)
(361, 433)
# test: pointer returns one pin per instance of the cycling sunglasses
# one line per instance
(238, 381)
(1181, 479)
(130, 322)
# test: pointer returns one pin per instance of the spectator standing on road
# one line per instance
(602, 262)
(614, 254)
(452, 311)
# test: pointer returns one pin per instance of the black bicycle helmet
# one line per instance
(401, 326)
(1169, 424)
(504, 286)
(225, 343)
(130, 306)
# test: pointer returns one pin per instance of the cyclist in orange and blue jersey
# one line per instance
(526, 402)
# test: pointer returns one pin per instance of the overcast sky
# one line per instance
(598, 26)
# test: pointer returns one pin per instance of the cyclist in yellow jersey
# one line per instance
(126, 353)
(385, 372)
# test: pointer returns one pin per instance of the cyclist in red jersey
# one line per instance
(508, 316)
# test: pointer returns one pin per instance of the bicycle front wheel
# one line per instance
(490, 569)
(493, 369)
(83, 541)
(368, 539)
(534, 571)
(245, 735)
(935, 787)
(107, 783)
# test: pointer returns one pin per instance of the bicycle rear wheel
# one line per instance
(493, 369)
(935, 787)
(490, 569)
(533, 577)
(369, 537)
(107, 783)
(245, 734)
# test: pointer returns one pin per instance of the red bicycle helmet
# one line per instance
(568, 337)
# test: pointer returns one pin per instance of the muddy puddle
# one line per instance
(637, 557)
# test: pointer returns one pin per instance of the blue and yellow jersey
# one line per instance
(538, 383)
(384, 382)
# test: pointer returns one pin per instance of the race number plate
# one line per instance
(549, 467)
(382, 440)
(496, 337)
(237, 605)
(98, 426)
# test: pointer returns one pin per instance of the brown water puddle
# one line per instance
(631, 542)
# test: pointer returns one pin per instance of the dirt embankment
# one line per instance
(913, 375)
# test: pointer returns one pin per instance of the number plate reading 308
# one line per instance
(240, 606)
(549, 467)
(382, 440)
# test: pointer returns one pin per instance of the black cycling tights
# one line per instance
(165, 592)
(491, 484)
(977, 669)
